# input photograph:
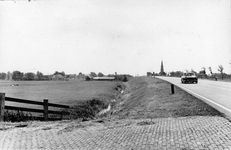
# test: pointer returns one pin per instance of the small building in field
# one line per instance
(103, 78)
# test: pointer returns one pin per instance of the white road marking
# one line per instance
(205, 98)
(217, 106)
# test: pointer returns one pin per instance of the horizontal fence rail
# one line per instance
(34, 102)
(23, 101)
(45, 105)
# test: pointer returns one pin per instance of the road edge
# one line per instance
(225, 111)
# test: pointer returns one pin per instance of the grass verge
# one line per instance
(147, 97)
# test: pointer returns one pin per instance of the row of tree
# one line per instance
(5, 76)
(203, 74)
(150, 74)
(92, 74)
(17, 75)
(214, 75)
(200, 74)
(29, 76)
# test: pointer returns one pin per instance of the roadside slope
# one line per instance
(151, 98)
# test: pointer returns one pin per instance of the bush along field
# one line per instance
(17, 116)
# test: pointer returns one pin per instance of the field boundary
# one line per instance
(45, 105)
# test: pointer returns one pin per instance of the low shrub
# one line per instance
(87, 110)
(17, 116)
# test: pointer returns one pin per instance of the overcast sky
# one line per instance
(124, 36)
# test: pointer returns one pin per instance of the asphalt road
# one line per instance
(215, 93)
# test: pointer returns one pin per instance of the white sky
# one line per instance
(124, 36)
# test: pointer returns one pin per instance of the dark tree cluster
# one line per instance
(81, 76)
(29, 76)
(100, 74)
(149, 74)
(40, 75)
(60, 73)
(122, 78)
(17, 75)
(2, 76)
(176, 73)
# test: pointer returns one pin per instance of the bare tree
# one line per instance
(193, 71)
(203, 70)
(221, 69)
(211, 72)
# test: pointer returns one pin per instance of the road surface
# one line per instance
(215, 93)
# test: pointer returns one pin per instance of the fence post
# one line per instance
(45, 109)
(172, 88)
(2, 106)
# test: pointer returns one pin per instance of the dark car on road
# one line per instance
(189, 77)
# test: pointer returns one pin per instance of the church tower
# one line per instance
(162, 73)
(161, 67)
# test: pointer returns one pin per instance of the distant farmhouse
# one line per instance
(103, 78)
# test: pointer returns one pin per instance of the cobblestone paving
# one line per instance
(186, 133)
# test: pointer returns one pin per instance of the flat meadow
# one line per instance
(63, 92)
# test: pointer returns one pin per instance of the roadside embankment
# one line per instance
(147, 97)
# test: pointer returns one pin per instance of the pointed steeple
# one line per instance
(162, 73)
(161, 67)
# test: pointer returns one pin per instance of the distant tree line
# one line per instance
(2, 76)
(20, 76)
(221, 74)
(150, 74)
(29, 76)
(202, 73)
(5, 76)
(39, 76)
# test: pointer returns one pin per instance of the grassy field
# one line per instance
(151, 98)
(65, 92)
(144, 97)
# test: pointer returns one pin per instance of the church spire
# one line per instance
(162, 67)
(162, 73)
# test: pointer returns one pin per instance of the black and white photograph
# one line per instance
(115, 74)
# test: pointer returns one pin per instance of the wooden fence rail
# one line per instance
(45, 105)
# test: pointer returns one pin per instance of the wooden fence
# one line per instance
(45, 105)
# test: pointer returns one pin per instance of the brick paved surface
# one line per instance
(184, 133)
